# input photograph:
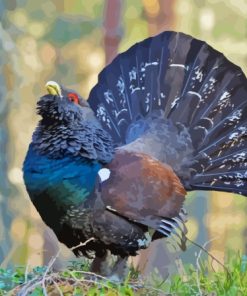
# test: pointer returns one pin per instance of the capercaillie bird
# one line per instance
(167, 116)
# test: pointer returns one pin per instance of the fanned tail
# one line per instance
(189, 85)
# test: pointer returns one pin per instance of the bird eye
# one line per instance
(73, 98)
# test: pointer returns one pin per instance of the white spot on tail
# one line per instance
(195, 93)
(179, 65)
(175, 102)
(111, 209)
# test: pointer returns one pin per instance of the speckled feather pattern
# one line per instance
(197, 88)
(167, 115)
(67, 130)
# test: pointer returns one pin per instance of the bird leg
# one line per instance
(120, 270)
(102, 265)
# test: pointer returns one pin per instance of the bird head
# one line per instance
(61, 104)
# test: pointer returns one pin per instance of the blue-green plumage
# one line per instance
(61, 167)
(56, 185)
(172, 103)
(67, 180)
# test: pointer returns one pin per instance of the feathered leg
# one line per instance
(102, 265)
(120, 270)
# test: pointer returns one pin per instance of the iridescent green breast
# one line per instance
(55, 185)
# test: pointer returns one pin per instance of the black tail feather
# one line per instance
(195, 86)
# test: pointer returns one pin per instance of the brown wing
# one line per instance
(142, 189)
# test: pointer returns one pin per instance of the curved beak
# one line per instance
(53, 88)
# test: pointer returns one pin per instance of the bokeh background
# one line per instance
(70, 42)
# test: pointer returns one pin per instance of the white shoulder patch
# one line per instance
(104, 174)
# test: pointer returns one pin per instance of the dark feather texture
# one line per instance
(203, 130)
(175, 110)
(69, 129)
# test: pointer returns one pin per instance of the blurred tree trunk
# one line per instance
(5, 214)
(160, 15)
(112, 28)
(216, 226)
(7, 95)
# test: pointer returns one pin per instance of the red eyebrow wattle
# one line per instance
(73, 97)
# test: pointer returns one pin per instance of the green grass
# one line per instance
(77, 281)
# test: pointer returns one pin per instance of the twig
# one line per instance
(203, 248)
(57, 287)
(197, 274)
(198, 265)
(92, 274)
(26, 273)
(88, 281)
(26, 285)
(82, 244)
(52, 261)
(210, 255)
(181, 269)
(159, 290)
(50, 264)
(29, 288)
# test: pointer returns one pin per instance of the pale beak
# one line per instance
(53, 88)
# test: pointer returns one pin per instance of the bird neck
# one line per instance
(85, 139)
